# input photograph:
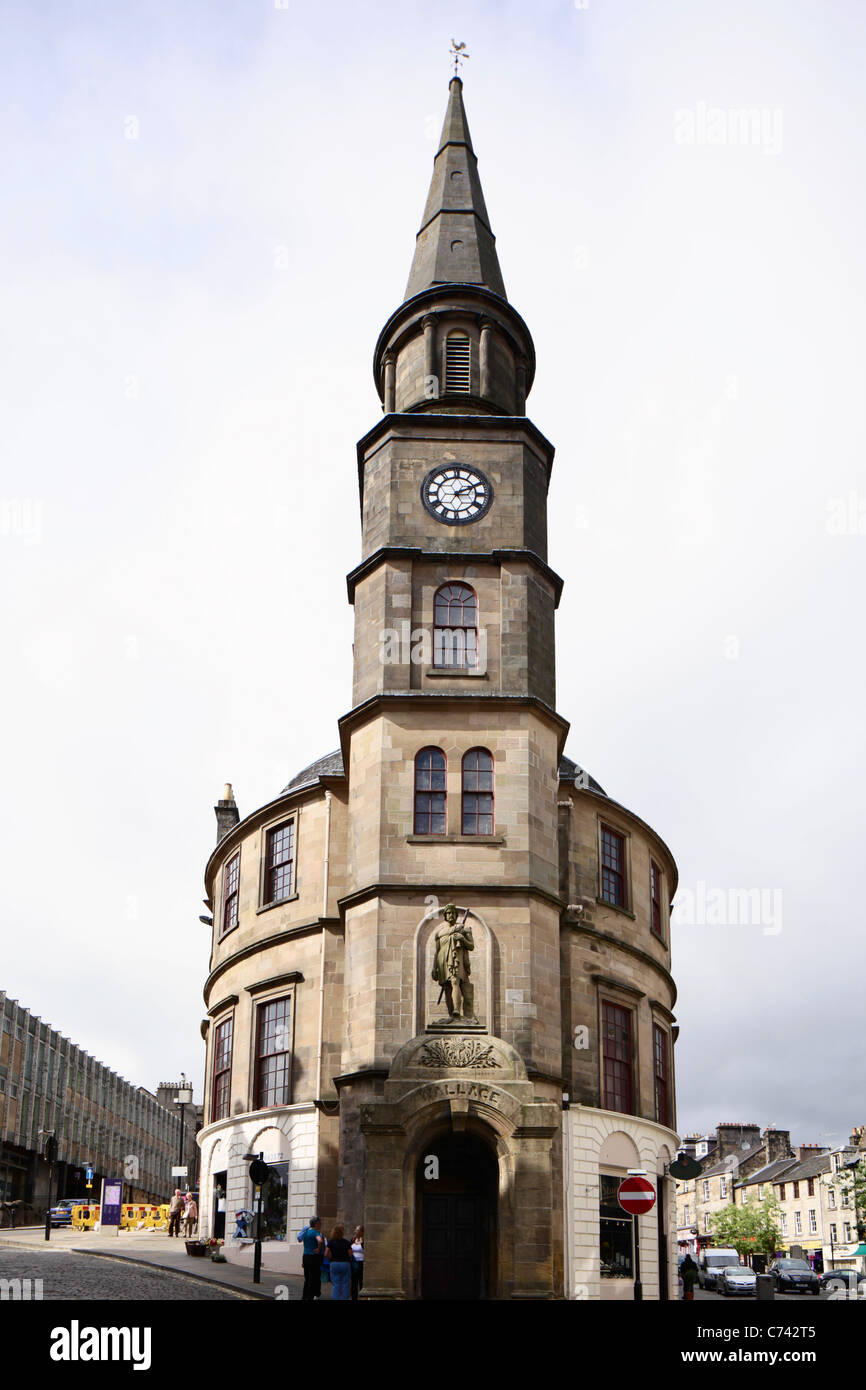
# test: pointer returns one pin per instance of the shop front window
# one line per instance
(275, 1202)
(615, 1232)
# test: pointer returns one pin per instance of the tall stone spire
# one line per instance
(455, 245)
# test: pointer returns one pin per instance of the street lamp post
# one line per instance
(183, 1099)
(51, 1155)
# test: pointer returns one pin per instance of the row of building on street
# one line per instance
(818, 1217)
(102, 1123)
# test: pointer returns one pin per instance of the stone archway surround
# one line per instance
(495, 1103)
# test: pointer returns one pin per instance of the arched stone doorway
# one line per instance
(467, 1100)
(457, 1182)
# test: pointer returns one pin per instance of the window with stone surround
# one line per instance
(655, 899)
(616, 1032)
(613, 880)
(279, 863)
(273, 1054)
(477, 789)
(455, 627)
(430, 792)
(661, 1075)
(231, 884)
(222, 1070)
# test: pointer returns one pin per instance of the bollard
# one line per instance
(765, 1286)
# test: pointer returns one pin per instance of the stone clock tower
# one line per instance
(454, 485)
(465, 942)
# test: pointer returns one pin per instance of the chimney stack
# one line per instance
(227, 813)
(810, 1150)
(777, 1144)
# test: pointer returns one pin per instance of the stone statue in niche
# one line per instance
(451, 968)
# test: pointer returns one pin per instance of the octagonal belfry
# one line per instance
(439, 997)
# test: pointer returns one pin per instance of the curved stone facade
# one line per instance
(439, 997)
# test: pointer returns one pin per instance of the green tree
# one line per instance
(749, 1229)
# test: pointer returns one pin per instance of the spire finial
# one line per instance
(458, 53)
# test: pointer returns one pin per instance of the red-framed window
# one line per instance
(430, 792)
(616, 1051)
(280, 863)
(612, 867)
(477, 789)
(231, 883)
(273, 1054)
(455, 626)
(222, 1070)
(655, 898)
(661, 1074)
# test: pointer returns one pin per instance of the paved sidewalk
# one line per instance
(160, 1251)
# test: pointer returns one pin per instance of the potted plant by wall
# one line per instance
(216, 1252)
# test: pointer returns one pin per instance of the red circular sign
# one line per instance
(636, 1195)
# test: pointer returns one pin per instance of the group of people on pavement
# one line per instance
(182, 1213)
(344, 1258)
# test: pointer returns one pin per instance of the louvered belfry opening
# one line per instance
(457, 362)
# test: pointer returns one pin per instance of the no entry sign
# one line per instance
(636, 1195)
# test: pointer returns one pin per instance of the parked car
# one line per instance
(736, 1279)
(61, 1215)
(794, 1276)
(842, 1279)
(711, 1261)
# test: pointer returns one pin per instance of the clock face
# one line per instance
(456, 494)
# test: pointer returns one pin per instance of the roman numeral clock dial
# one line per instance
(456, 494)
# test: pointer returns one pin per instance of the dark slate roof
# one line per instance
(723, 1166)
(771, 1172)
(570, 772)
(332, 766)
(329, 766)
(811, 1167)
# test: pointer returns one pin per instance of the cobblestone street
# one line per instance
(95, 1278)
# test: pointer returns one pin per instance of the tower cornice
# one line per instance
(415, 699)
(408, 423)
(446, 557)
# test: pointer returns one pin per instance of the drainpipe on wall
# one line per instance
(325, 868)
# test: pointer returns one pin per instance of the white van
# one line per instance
(711, 1260)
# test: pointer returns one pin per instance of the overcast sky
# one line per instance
(210, 211)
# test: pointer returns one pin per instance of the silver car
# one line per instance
(736, 1279)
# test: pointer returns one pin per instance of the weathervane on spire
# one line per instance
(458, 53)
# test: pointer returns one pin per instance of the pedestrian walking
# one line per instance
(357, 1262)
(175, 1213)
(314, 1248)
(191, 1216)
(689, 1276)
(339, 1252)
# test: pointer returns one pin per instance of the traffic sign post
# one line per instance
(636, 1195)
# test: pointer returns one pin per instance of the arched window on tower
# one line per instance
(457, 362)
(455, 626)
(477, 807)
(430, 792)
